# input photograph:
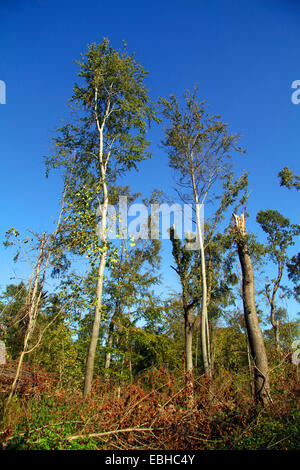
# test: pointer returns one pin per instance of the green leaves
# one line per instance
(106, 138)
(9, 234)
(280, 232)
(289, 179)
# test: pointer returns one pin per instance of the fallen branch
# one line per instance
(107, 433)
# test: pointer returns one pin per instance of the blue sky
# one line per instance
(244, 55)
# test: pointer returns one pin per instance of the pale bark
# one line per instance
(89, 371)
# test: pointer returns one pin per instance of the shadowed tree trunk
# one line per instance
(188, 330)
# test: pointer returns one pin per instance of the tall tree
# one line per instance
(107, 139)
(280, 236)
(199, 147)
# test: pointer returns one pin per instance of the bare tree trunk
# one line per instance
(255, 337)
(275, 325)
(204, 315)
(189, 359)
(249, 366)
(108, 354)
(90, 363)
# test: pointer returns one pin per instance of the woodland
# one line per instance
(96, 357)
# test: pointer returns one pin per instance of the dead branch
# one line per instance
(107, 433)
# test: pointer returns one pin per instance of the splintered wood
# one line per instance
(239, 224)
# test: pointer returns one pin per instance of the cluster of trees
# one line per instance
(105, 317)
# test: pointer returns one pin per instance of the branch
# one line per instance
(176, 270)
(107, 433)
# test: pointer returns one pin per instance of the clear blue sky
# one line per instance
(244, 55)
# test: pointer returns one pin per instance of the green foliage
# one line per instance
(13, 320)
(230, 349)
(289, 179)
(280, 233)
(293, 267)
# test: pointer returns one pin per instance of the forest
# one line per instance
(95, 353)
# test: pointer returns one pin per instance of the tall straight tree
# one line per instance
(199, 147)
(106, 139)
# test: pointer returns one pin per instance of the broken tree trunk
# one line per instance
(34, 300)
(255, 337)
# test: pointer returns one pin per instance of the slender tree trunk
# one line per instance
(271, 299)
(204, 315)
(189, 359)
(108, 354)
(277, 337)
(249, 366)
(275, 325)
(89, 371)
(255, 337)
(90, 363)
